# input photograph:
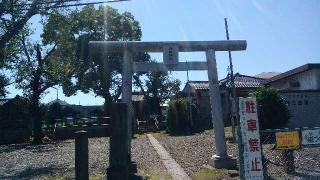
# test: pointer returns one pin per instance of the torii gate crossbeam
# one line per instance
(221, 158)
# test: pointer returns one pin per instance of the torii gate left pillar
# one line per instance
(221, 159)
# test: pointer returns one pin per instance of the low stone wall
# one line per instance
(12, 136)
(94, 130)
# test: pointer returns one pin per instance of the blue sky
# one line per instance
(281, 35)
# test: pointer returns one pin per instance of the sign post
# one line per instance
(310, 137)
(251, 152)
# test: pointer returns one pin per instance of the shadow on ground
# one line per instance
(31, 172)
(46, 147)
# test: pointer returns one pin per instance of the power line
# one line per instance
(56, 6)
(48, 2)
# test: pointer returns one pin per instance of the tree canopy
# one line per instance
(61, 56)
(14, 17)
(92, 73)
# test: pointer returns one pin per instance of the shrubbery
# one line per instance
(15, 113)
(178, 121)
(15, 126)
(272, 110)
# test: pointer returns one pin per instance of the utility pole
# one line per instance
(57, 93)
(189, 97)
(232, 85)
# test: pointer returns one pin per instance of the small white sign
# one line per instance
(310, 137)
(249, 126)
(171, 54)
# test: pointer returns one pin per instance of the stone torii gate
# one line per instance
(171, 62)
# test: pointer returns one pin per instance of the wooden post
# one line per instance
(81, 155)
(127, 93)
(118, 158)
(288, 159)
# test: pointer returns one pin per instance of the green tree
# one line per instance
(3, 84)
(38, 67)
(157, 88)
(14, 17)
(100, 74)
(272, 110)
(178, 120)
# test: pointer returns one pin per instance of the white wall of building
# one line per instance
(308, 80)
(304, 107)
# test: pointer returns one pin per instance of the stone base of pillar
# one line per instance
(223, 162)
(118, 172)
(124, 172)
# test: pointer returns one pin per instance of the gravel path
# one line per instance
(36, 162)
(191, 152)
(174, 169)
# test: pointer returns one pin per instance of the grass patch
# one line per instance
(205, 173)
(71, 175)
(155, 176)
(157, 134)
(97, 176)
(63, 176)
(102, 176)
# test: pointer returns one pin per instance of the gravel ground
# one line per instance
(191, 152)
(306, 160)
(36, 162)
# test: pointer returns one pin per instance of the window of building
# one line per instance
(299, 103)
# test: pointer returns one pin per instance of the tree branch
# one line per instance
(117, 95)
(39, 57)
(23, 40)
(48, 85)
(136, 78)
(15, 28)
(50, 52)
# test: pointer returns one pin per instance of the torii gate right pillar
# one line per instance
(221, 159)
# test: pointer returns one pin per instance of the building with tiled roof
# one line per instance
(200, 93)
(243, 81)
(240, 81)
(267, 75)
(300, 88)
(305, 77)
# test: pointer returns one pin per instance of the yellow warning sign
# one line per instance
(287, 140)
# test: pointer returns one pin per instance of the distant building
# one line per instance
(77, 110)
(300, 87)
(267, 75)
(200, 94)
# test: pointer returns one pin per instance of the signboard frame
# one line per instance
(287, 140)
(250, 137)
(308, 137)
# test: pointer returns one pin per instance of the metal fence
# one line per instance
(300, 163)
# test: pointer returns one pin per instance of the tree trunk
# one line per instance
(36, 116)
(107, 105)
